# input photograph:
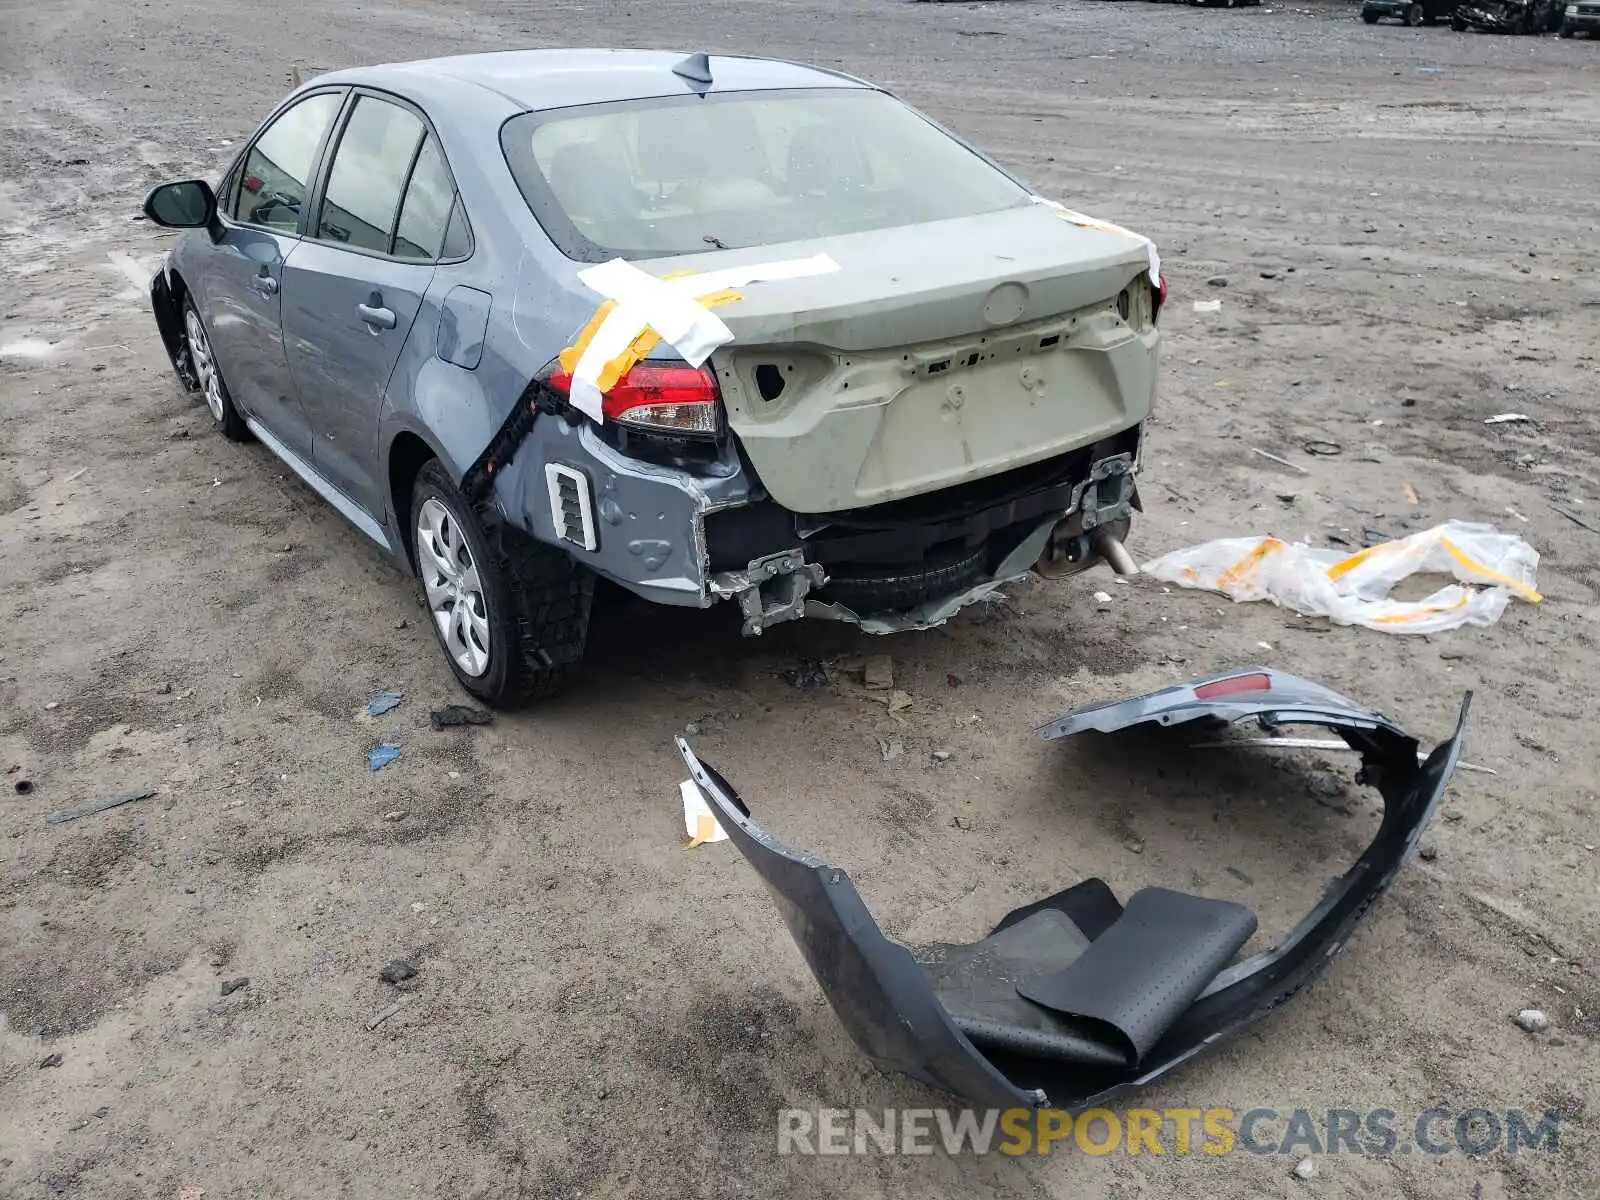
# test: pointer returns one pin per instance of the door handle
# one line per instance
(376, 317)
(264, 285)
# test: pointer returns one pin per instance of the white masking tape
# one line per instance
(1084, 221)
(670, 307)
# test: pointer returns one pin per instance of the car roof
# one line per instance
(544, 79)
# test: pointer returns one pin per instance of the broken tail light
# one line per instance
(660, 398)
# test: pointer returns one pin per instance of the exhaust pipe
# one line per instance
(1109, 547)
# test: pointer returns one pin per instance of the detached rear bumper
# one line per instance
(1076, 998)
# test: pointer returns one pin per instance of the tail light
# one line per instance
(660, 397)
(1158, 297)
(1254, 682)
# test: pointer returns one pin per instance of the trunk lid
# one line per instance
(937, 354)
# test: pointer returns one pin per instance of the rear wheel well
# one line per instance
(408, 454)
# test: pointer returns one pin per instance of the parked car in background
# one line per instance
(1407, 12)
(1583, 17)
(1508, 16)
(710, 328)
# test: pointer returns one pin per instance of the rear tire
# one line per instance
(1414, 15)
(1371, 18)
(208, 373)
(1457, 24)
(526, 620)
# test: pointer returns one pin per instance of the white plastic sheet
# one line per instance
(1353, 589)
(698, 821)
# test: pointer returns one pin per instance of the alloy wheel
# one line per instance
(205, 366)
(455, 593)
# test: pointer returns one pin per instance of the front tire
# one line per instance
(1414, 15)
(512, 620)
(208, 373)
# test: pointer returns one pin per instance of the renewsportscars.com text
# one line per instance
(1476, 1132)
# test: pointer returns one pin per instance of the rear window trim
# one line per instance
(567, 238)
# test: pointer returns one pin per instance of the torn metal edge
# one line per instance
(933, 613)
(1085, 221)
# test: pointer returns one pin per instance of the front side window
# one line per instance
(683, 175)
(369, 172)
(277, 171)
(227, 190)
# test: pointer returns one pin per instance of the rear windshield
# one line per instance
(688, 174)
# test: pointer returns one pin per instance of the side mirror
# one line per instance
(187, 205)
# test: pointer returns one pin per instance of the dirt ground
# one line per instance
(1405, 223)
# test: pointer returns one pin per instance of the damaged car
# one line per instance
(1508, 16)
(715, 329)
(1081, 996)
(1407, 12)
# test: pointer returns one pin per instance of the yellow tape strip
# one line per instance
(1420, 614)
(619, 366)
(705, 828)
(1345, 565)
(1517, 586)
(570, 356)
(1083, 222)
(640, 347)
(1236, 573)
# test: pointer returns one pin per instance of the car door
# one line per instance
(242, 279)
(352, 289)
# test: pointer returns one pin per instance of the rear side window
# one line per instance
(687, 174)
(369, 173)
(425, 214)
(458, 237)
(272, 189)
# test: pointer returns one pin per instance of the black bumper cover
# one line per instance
(1076, 998)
